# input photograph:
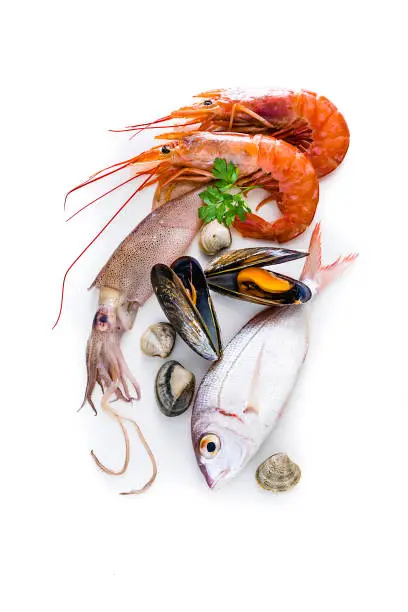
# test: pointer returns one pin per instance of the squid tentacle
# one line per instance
(112, 389)
(105, 405)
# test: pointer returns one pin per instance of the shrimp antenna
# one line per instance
(154, 127)
(107, 168)
(145, 182)
(132, 178)
(143, 125)
(95, 177)
(164, 127)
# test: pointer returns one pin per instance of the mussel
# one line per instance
(241, 274)
(183, 294)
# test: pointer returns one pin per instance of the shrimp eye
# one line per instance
(207, 102)
(165, 149)
(210, 444)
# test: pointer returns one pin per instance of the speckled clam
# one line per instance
(214, 237)
(158, 340)
(278, 473)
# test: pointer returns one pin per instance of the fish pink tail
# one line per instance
(313, 269)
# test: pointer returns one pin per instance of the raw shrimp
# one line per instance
(262, 161)
(310, 122)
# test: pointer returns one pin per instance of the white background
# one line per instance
(338, 540)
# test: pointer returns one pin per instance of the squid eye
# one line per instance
(210, 444)
(101, 320)
(165, 149)
(207, 102)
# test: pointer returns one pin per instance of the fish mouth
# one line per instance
(214, 483)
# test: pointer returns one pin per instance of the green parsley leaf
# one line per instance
(203, 212)
(230, 218)
(219, 169)
(219, 202)
(232, 172)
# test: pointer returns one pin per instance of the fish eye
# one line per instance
(209, 445)
(165, 149)
(207, 102)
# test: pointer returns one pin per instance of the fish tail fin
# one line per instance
(313, 271)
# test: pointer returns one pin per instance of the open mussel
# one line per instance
(241, 274)
(183, 294)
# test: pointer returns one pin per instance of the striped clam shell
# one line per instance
(278, 473)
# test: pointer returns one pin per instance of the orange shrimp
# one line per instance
(310, 122)
(263, 161)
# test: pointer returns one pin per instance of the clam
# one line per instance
(158, 340)
(174, 388)
(278, 473)
(241, 274)
(183, 294)
(214, 237)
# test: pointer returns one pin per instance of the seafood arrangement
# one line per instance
(228, 143)
(242, 396)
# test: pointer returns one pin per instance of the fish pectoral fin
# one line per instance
(251, 409)
(253, 395)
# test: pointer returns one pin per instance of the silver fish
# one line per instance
(242, 396)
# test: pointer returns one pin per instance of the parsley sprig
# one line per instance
(224, 200)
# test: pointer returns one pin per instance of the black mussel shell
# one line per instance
(183, 294)
(223, 271)
(254, 257)
(227, 285)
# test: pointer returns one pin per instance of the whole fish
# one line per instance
(242, 396)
